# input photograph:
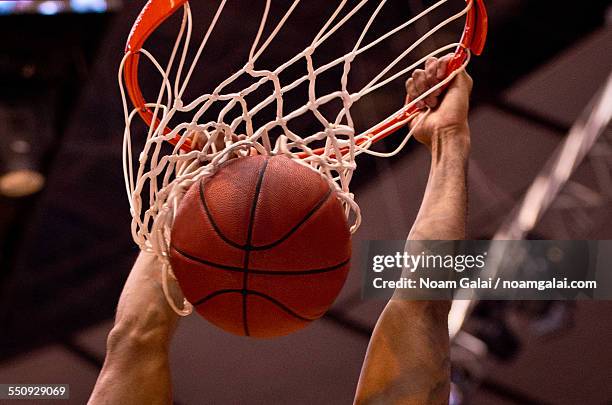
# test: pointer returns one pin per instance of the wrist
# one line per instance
(135, 337)
(451, 142)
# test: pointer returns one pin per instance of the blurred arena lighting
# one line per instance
(21, 183)
(585, 138)
(480, 330)
(20, 174)
(51, 7)
(589, 141)
(467, 366)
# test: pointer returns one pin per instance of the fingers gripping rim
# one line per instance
(155, 12)
(472, 42)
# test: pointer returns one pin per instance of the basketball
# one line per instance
(262, 247)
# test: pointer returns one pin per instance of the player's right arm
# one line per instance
(136, 368)
(407, 360)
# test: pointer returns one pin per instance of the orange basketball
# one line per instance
(262, 247)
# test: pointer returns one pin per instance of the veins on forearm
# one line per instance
(444, 208)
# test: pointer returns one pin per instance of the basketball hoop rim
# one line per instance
(156, 12)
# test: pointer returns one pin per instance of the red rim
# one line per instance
(155, 12)
(474, 38)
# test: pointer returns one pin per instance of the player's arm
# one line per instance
(407, 360)
(136, 369)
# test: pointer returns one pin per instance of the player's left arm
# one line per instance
(136, 369)
(407, 360)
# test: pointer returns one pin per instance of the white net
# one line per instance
(224, 123)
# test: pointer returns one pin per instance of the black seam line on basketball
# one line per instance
(314, 209)
(262, 247)
(216, 293)
(213, 223)
(262, 272)
(247, 252)
(281, 306)
(257, 293)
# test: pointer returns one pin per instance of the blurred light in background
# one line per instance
(51, 7)
(21, 183)
(85, 6)
(20, 154)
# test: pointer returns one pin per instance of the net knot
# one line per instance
(309, 51)
(349, 58)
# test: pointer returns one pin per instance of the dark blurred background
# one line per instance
(66, 249)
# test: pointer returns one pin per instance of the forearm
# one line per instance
(142, 306)
(134, 372)
(443, 212)
(136, 368)
(408, 357)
